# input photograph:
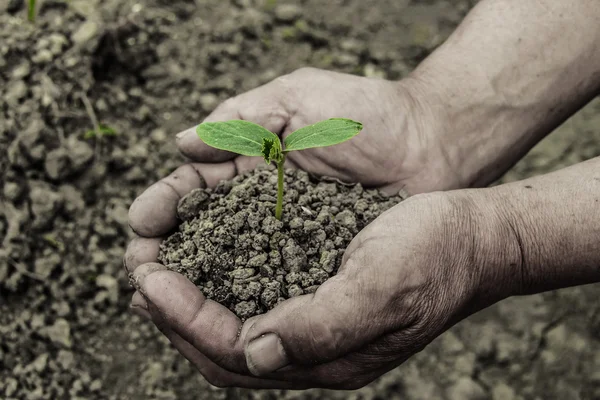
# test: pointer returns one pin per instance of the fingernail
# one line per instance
(142, 272)
(139, 301)
(265, 355)
(140, 312)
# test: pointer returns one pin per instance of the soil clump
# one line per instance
(234, 249)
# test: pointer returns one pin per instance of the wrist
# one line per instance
(491, 253)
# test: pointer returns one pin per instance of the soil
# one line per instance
(234, 249)
(150, 69)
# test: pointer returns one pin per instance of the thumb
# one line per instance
(342, 316)
(264, 106)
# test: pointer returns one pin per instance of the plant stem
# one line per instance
(31, 11)
(279, 208)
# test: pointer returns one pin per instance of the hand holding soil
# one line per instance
(418, 268)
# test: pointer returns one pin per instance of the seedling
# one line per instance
(249, 139)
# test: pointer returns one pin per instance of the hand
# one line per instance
(391, 297)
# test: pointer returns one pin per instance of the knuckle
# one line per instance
(324, 339)
(227, 105)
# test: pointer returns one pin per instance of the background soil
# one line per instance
(149, 69)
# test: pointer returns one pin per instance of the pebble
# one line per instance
(59, 333)
(85, 33)
(288, 12)
(503, 392)
(466, 389)
(45, 204)
(15, 91)
(294, 258)
(22, 70)
(57, 163)
(111, 285)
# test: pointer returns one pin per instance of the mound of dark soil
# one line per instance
(236, 251)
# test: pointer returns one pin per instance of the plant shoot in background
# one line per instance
(249, 139)
(31, 10)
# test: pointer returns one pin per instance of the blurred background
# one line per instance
(91, 95)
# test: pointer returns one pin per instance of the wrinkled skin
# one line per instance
(392, 295)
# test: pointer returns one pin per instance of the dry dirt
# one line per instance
(149, 69)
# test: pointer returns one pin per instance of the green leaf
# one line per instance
(324, 133)
(241, 137)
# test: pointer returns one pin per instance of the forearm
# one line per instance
(543, 232)
(511, 73)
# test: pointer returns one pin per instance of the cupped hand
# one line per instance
(391, 297)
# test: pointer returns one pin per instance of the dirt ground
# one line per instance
(149, 69)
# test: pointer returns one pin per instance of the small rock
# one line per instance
(65, 359)
(346, 60)
(59, 333)
(80, 154)
(245, 309)
(503, 392)
(111, 285)
(294, 258)
(242, 273)
(22, 70)
(57, 163)
(12, 191)
(190, 205)
(288, 12)
(296, 223)
(32, 135)
(42, 56)
(56, 42)
(85, 33)
(451, 345)
(45, 204)
(258, 260)
(466, 389)
(557, 337)
(311, 226)
(295, 290)
(15, 91)
(346, 218)
(327, 261)
(44, 266)
(40, 363)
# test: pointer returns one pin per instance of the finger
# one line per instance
(214, 374)
(218, 376)
(141, 251)
(347, 312)
(207, 325)
(265, 106)
(357, 369)
(154, 212)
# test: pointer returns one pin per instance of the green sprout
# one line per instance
(31, 10)
(249, 139)
(101, 131)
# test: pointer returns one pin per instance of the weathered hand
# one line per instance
(391, 297)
